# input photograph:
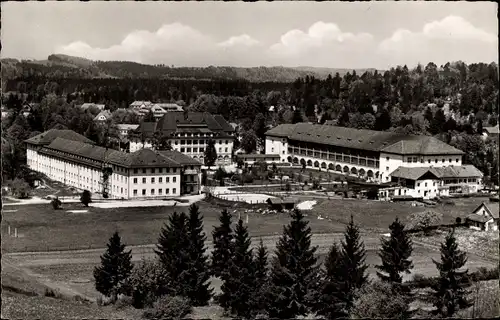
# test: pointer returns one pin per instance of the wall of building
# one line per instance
(149, 182)
(277, 145)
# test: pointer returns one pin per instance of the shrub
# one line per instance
(52, 293)
(167, 307)
(20, 189)
(123, 302)
(247, 178)
(424, 220)
(56, 203)
(145, 283)
(288, 186)
(86, 198)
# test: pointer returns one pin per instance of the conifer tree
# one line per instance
(173, 252)
(450, 293)
(352, 275)
(330, 302)
(239, 281)
(297, 115)
(210, 154)
(199, 291)
(222, 239)
(395, 254)
(294, 274)
(259, 298)
(115, 267)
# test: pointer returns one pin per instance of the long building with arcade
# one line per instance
(70, 158)
(375, 156)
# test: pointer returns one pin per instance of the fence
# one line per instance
(227, 197)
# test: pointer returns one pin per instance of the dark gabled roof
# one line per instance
(493, 213)
(389, 142)
(179, 158)
(283, 130)
(47, 137)
(87, 153)
(478, 218)
(411, 173)
(175, 121)
(464, 171)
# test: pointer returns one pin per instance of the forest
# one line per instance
(452, 102)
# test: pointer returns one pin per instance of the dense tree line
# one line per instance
(452, 102)
(289, 283)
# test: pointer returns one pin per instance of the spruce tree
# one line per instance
(173, 252)
(294, 273)
(259, 297)
(352, 265)
(297, 115)
(239, 281)
(222, 239)
(450, 293)
(395, 254)
(330, 301)
(198, 273)
(116, 266)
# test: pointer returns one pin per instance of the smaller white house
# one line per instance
(103, 116)
(483, 218)
(141, 104)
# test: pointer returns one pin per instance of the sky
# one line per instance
(319, 34)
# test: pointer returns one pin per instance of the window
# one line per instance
(168, 170)
(433, 184)
(135, 192)
(143, 180)
(136, 170)
(195, 150)
(272, 149)
(450, 160)
(426, 184)
(220, 149)
(174, 179)
(152, 180)
(220, 142)
(415, 159)
(227, 142)
(183, 141)
(160, 191)
(174, 170)
(225, 150)
(409, 159)
(202, 149)
(188, 149)
(442, 160)
(418, 184)
(195, 141)
(283, 152)
(174, 190)
(429, 161)
(435, 160)
(167, 179)
(160, 180)
(143, 192)
(387, 158)
(183, 149)
(456, 160)
(176, 142)
(387, 168)
(167, 191)
(152, 192)
(121, 190)
(143, 170)
(152, 170)
(160, 170)
(135, 180)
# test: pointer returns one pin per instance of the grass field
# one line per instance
(40, 228)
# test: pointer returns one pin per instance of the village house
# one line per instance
(491, 132)
(99, 107)
(103, 116)
(483, 218)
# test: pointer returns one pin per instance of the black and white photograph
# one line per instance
(249, 160)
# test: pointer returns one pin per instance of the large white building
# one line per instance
(368, 154)
(67, 157)
(188, 133)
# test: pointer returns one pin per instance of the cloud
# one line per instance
(449, 39)
(243, 40)
(323, 44)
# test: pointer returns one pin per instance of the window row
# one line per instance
(160, 180)
(153, 192)
(154, 170)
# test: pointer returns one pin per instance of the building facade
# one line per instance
(372, 155)
(146, 174)
(188, 133)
